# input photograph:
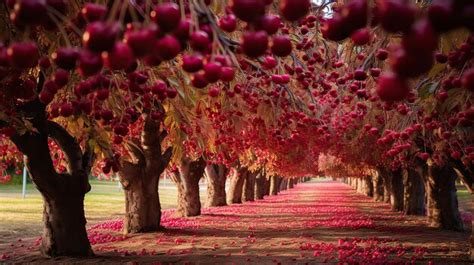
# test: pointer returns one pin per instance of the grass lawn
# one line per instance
(21, 217)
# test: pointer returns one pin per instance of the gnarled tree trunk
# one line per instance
(274, 185)
(414, 194)
(140, 176)
(396, 196)
(443, 201)
(236, 185)
(187, 180)
(216, 177)
(63, 194)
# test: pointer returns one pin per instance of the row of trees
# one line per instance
(203, 86)
(424, 190)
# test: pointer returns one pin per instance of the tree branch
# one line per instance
(68, 145)
(166, 157)
(137, 153)
(88, 159)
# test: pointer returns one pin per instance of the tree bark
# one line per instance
(396, 196)
(360, 188)
(63, 194)
(142, 206)
(283, 184)
(387, 184)
(266, 191)
(274, 185)
(414, 194)
(291, 183)
(216, 177)
(422, 170)
(248, 190)
(187, 180)
(236, 185)
(351, 183)
(378, 187)
(140, 175)
(65, 227)
(443, 202)
(260, 182)
(368, 186)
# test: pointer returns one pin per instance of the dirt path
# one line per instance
(311, 224)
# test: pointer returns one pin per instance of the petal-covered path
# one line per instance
(313, 223)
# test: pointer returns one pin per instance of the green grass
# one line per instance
(21, 217)
(463, 193)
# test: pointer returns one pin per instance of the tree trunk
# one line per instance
(236, 185)
(142, 207)
(368, 186)
(387, 184)
(248, 190)
(378, 187)
(189, 203)
(291, 183)
(396, 196)
(360, 188)
(414, 194)
(64, 232)
(140, 175)
(187, 179)
(422, 169)
(443, 204)
(260, 183)
(283, 184)
(216, 176)
(65, 226)
(266, 190)
(274, 185)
